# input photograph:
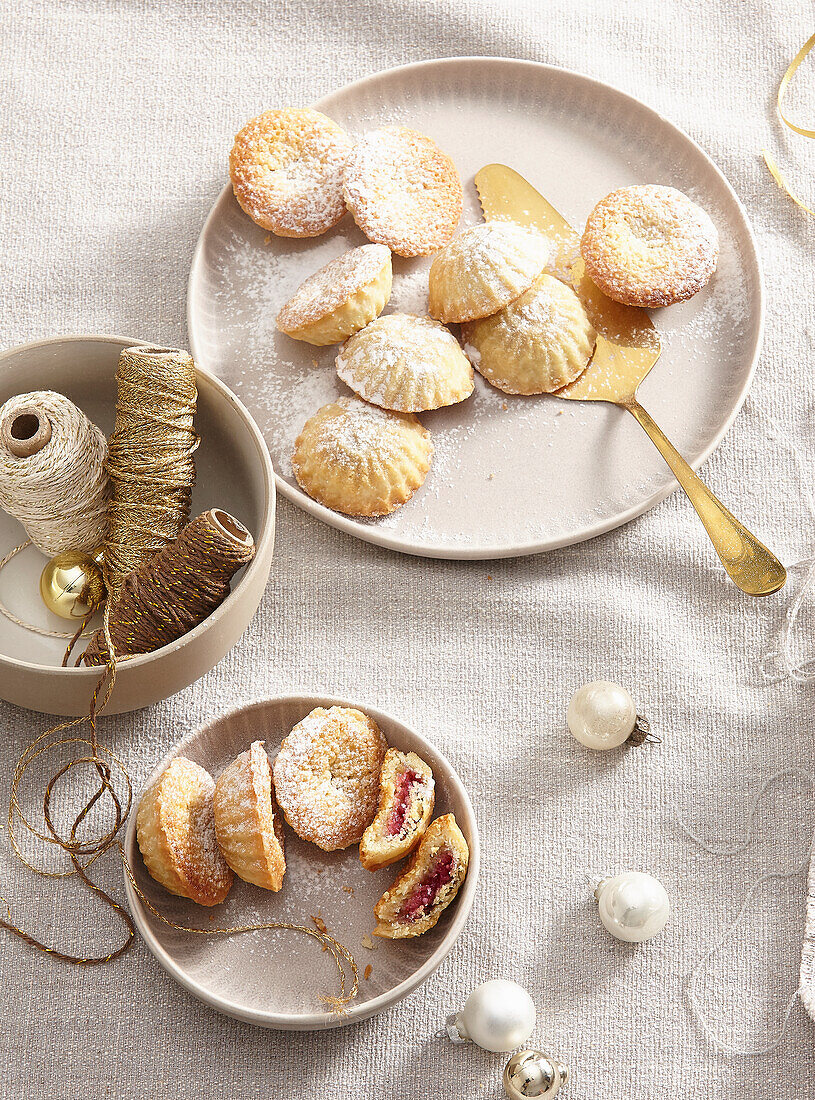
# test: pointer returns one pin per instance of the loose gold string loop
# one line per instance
(769, 160)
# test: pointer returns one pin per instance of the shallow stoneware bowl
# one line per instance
(274, 978)
(234, 473)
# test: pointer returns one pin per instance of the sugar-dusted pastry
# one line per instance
(406, 797)
(402, 191)
(431, 881)
(649, 246)
(406, 363)
(326, 776)
(286, 171)
(248, 829)
(538, 343)
(483, 269)
(359, 459)
(175, 829)
(340, 298)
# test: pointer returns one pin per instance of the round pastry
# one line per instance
(406, 797)
(485, 268)
(649, 246)
(326, 776)
(428, 885)
(406, 363)
(402, 191)
(286, 171)
(359, 459)
(340, 298)
(175, 829)
(248, 830)
(537, 344)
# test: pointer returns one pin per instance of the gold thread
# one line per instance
(769, 160)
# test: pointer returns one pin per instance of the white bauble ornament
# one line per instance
(602, 715)
(498, 1015)
(633, 907)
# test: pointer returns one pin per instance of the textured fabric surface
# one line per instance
(115, 124)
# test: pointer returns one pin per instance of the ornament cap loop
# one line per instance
(641, 732)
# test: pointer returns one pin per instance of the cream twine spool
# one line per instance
(52, 475)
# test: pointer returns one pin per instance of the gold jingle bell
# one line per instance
(71, 584)
(529, 1073)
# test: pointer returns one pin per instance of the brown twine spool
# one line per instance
(176, 590)
(150, 461)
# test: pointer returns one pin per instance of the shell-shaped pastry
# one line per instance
(428, 885)
(485, 268)
(248, 828)
(359, 459)
(406, 797)
(340, 298)
(537, 344)
(175, 829)
(406, 363)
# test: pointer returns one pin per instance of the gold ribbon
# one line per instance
(769, 160)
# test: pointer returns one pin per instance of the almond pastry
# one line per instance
(359, 459)
(406, 798)
(248, 830)
(403, 191)
(649, 246)
(175, 829)
(406, 363)
(431, 881)
(537, 344)
(286, 171)
(326, 776)
(485, 268)
(340, 298)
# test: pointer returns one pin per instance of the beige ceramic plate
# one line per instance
(511, 475)
(274, 978)
(233, 472)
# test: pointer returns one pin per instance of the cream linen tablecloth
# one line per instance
(116, 120)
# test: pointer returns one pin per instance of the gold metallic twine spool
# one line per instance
(769, 160)
(150, 459)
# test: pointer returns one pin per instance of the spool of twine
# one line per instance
(52, 472)
(176, 590)
(150, 459)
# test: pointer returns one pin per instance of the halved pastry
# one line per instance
(248, 829)
(406, 797)
(485, 268)
(537, 344)
(406, 363)
(431, 881)
(359, 459)
(340, 298)
(175, 829)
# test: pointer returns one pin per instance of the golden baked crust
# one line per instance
(649, 246)
(537, 344)
(403, 191)
(406, 798)
(286, 171)
(340, 298)
(326, 776)
(175, 830)
(435, 872)
(248, 830)
(406, 363)
(483, 269)
(359, 459)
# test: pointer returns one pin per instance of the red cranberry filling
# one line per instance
(440, 873)
(401, 801)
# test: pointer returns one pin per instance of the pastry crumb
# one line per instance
(367, 942)
(349, 890)
(367, 973)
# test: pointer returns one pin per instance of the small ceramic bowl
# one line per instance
(234, 473)
(274, 978)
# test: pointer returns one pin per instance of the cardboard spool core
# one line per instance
(230, 527)
(25, 432)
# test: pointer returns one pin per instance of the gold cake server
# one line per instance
(627, 347)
